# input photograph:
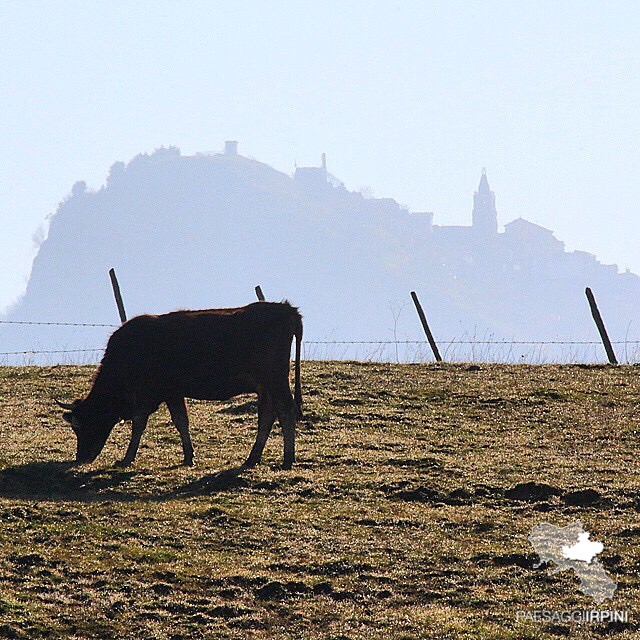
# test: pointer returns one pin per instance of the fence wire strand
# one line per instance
(468, 342)
(59, 324)
(306, 342)
(32, 352)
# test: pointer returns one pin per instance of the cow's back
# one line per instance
(207, 354)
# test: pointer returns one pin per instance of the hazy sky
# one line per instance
(410, 99)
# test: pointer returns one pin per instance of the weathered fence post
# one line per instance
(117, 295)
(425, 326)
(600, 324)
(259, 293)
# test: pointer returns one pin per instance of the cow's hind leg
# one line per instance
(286, 410)
(178, 410)
(139, 424)
(266, 418)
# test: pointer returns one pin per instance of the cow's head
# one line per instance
(92, 428)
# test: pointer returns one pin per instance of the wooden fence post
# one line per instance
(117, 295)
(425, 326)
(600, 324)
(259, 293)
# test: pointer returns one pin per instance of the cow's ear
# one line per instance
(67, 416)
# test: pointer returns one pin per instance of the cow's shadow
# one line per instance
(62, 481)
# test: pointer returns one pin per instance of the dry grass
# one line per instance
(397, 521)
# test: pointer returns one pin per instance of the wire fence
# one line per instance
(59, 324)
(445, 342)
(505, 351)
(454, 350)
(469, 342)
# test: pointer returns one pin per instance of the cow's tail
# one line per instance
(297, 394)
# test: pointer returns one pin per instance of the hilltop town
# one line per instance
(196, 231)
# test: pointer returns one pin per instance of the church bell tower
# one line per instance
(485, 216)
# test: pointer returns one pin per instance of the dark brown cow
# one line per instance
(212, 354)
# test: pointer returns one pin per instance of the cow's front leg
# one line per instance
(139, 424)
(180, 417)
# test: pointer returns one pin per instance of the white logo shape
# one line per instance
(569, 548)
(584, 550)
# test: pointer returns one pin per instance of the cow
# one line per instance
(210, 354)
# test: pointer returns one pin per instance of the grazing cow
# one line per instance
(213, 354)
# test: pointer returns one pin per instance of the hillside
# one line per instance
(407, 515)
(201, 231)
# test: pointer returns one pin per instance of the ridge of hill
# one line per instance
(201, 231)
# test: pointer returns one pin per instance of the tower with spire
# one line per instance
(485, 216)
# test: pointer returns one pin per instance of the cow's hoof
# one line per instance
(122, 464)
(287, 466)
(188, 463)
(249, 464)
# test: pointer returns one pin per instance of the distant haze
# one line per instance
(407, 99)
(198, 231)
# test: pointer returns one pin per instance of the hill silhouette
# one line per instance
(201, 231)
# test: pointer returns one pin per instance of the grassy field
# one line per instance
(406, 516)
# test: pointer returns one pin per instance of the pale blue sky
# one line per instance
(408, 98)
